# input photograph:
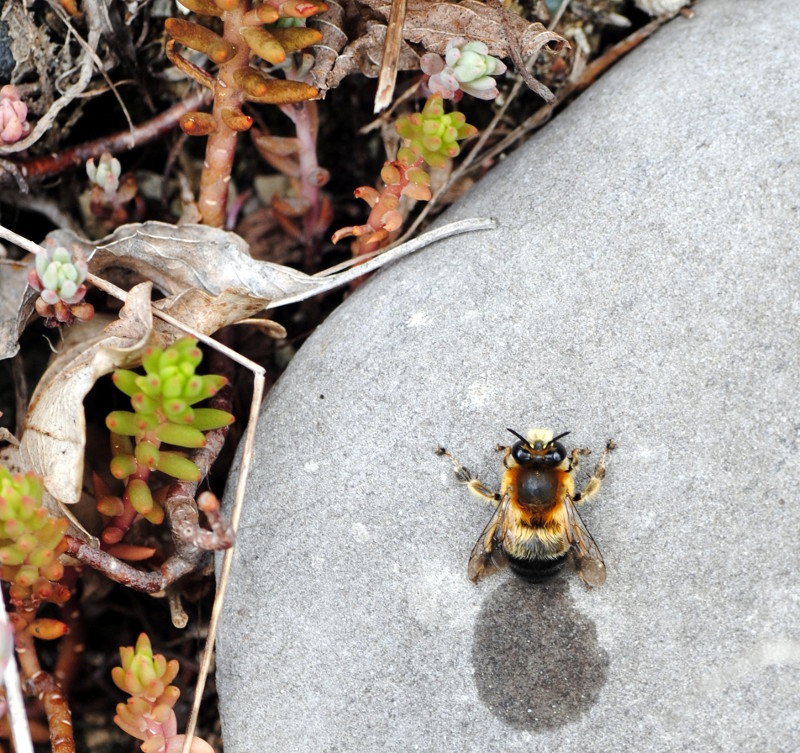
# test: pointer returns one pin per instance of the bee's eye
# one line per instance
(520, 453)
(556, 453)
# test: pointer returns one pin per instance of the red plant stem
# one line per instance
(46, 165)
(119, 525)
(221, 145)
(42, 684)
(59, 717)
(305, 117)
(70, 647)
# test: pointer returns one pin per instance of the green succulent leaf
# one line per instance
(178, 466)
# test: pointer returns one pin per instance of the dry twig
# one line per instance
(46, 165)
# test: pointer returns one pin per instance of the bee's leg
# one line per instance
(506, 450)
(574, 458)
(596, 479)
(464, 476)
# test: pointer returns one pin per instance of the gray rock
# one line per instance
(642, 286)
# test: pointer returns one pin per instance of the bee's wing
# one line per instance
(487, 555)
(588, 560)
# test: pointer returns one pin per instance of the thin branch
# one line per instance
(557, 17)
(114, 569)
(181, 507)
(46, 165)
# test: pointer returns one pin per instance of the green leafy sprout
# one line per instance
(163, 400)
(31, 540)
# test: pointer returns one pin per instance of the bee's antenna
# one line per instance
(555, 439)
(517, 434)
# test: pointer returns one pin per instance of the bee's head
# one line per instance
(540, 447)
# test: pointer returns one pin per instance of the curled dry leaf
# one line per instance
(326, 51)
(434, 24)
(209, 280)
(16, 306)
(54, 430)
(364, 54)
(429, 23)
(184, 260)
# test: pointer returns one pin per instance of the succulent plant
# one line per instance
(13, 116)
(31, 540)
(385, 218)
(467, 67)
(148, 713)
(249, 31)
(106, 173)
(58, 276)
(432, 134)
(162, 399)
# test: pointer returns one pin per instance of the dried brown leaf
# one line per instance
(54, 430)
(182, 261)
(209, 280)
(16, 306)
(326, 51)
(429, 23)
(364, 55)
(180, 258)
(208, 313)
(434, 24)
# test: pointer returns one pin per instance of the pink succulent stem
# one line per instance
(304, 115)
(221, 145)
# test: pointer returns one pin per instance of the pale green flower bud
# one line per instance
(106, 173)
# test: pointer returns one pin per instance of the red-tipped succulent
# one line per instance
(147, 715)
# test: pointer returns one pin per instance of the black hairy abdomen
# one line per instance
(538, 570)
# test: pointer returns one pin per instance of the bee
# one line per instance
(536, 527)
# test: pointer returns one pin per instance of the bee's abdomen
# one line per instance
(537, 570)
